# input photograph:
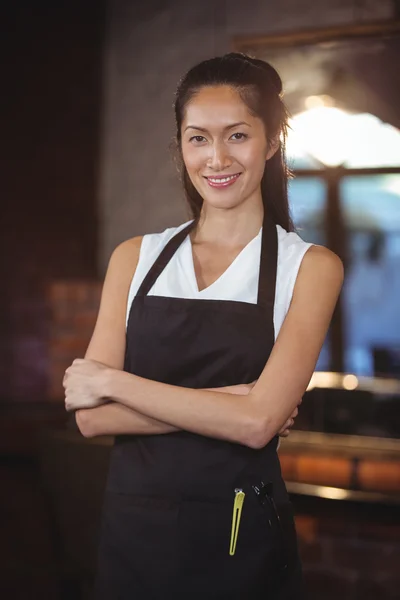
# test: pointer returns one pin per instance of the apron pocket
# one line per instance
(204, 535)
(279, 524)
(288, 529)
(138, 550)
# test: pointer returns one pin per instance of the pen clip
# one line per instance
(236, 516)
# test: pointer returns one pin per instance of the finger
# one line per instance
(288, 425)
(70, 404)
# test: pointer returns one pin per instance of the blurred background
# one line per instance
(87, 121)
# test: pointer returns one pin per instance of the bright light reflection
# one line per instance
(315, 101)
(332, 493)
(320, 131)
(335, 137)
(350, 382)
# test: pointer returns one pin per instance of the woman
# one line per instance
(199, 386)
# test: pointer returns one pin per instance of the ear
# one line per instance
(273, 146)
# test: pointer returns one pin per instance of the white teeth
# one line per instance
(224, 180)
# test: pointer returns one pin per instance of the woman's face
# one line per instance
(224, 147)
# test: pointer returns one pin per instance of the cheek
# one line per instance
(253, 159)
(193, 158)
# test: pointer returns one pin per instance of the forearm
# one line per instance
(114, 418)
(207, 412)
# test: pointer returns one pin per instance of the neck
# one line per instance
(229, 227)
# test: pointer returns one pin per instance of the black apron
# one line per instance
(168, 506)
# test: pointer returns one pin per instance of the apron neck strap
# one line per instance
(268, 263)
(163, 259)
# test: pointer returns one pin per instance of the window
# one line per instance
(347, 166)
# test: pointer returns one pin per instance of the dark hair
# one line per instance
(260, 88)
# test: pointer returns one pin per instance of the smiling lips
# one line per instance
(222, 182)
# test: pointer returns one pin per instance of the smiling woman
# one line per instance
(207, 336)
(232, 150)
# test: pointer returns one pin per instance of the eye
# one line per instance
(244, 136)
(197, 138)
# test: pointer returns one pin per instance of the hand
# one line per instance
(285, 429)
(84, 384)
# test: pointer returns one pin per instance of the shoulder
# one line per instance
(312, 256)
(153, 243)
(321, 272)
(290, 243)
(125, 257)
(321, 261)
(305, 268)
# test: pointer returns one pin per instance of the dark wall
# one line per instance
(52, 89)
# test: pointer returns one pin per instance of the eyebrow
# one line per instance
(225, 128)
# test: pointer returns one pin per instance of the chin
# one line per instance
(222, 203)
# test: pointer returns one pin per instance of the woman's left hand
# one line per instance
(84, 384)
(285, 430)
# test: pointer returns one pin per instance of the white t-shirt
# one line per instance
(239, 282)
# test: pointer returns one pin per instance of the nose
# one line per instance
(219, 158)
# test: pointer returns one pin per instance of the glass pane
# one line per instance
(326, 135)
(371, 292)
(300, 161)
(307, 199)
(372, 143)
